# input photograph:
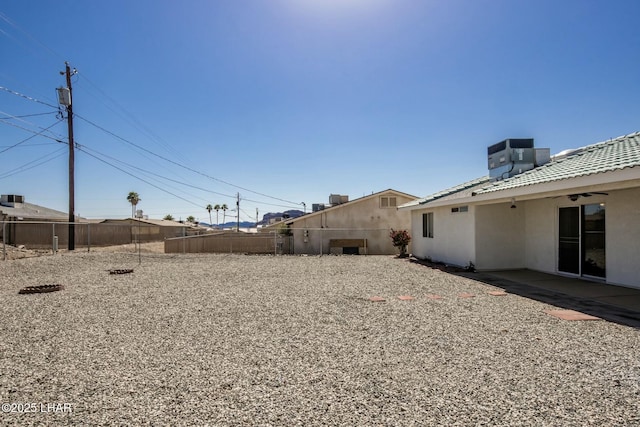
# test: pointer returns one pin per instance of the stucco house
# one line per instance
(576, 215)
(13, 207)
(360, 226)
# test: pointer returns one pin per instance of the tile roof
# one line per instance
(461, 190)
(619, 153)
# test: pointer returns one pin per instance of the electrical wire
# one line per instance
(32, 136)
(179, 164)
(28, 97)
(137, 177)
(138, 169)
(148, 131)
(58, 153)
(128, 116)
(6, 19)
(26, 115)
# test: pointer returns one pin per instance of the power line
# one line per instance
(26, 115)
(32, 136)
(28, 97)
(17, 27)
(129, 117)
(138, 169)
(179, 164)
(22, 168)
(137, 177)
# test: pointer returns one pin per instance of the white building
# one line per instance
(577, 215)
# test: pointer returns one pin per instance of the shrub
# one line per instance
(400, 238)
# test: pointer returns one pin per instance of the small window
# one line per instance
(427, 225)
(460, 209)
(388, 202)
(454, 210)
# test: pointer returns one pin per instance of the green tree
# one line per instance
(168, 217)
(209, 208)
(217, 208)
(190, 218)
(134, 199)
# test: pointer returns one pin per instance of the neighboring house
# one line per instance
(360, 226)
(19, 219)
(148, 230)
(577, 215)
(14, 208)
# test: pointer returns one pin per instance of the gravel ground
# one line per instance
(261, 340)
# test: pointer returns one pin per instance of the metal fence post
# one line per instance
(4, 245)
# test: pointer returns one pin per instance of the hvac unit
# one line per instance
(510, 157)
(338, 199)
(317, 207)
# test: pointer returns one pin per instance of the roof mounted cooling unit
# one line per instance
(510, 157)
(338, 199)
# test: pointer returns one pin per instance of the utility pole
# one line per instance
(238, 213)
(256, 218)
(65, 98)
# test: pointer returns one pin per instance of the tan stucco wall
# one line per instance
(363, 219)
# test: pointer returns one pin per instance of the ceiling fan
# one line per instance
(574, 197)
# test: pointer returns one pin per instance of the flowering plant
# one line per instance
(401, 239)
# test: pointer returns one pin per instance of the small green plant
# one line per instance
(400, 239)
(284, 230)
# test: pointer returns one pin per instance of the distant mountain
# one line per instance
(265, 220)
(294, 213)
(230, 224)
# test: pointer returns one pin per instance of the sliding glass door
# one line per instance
(581, 240)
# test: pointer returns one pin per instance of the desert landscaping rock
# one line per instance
(233, 340)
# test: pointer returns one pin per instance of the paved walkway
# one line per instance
(614, 303)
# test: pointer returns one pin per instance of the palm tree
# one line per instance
(224, 208)
(217, 208)
(134, 199)
(209, 208)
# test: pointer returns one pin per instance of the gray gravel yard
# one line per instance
(226, 340)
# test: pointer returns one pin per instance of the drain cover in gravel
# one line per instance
(40, 289)
(570, 315)
(465, 295)
(377, 299)
(405, 297)
(121, 271)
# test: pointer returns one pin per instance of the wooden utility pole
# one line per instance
(69, 101)
(238, 213)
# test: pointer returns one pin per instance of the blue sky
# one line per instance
(288, 101)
